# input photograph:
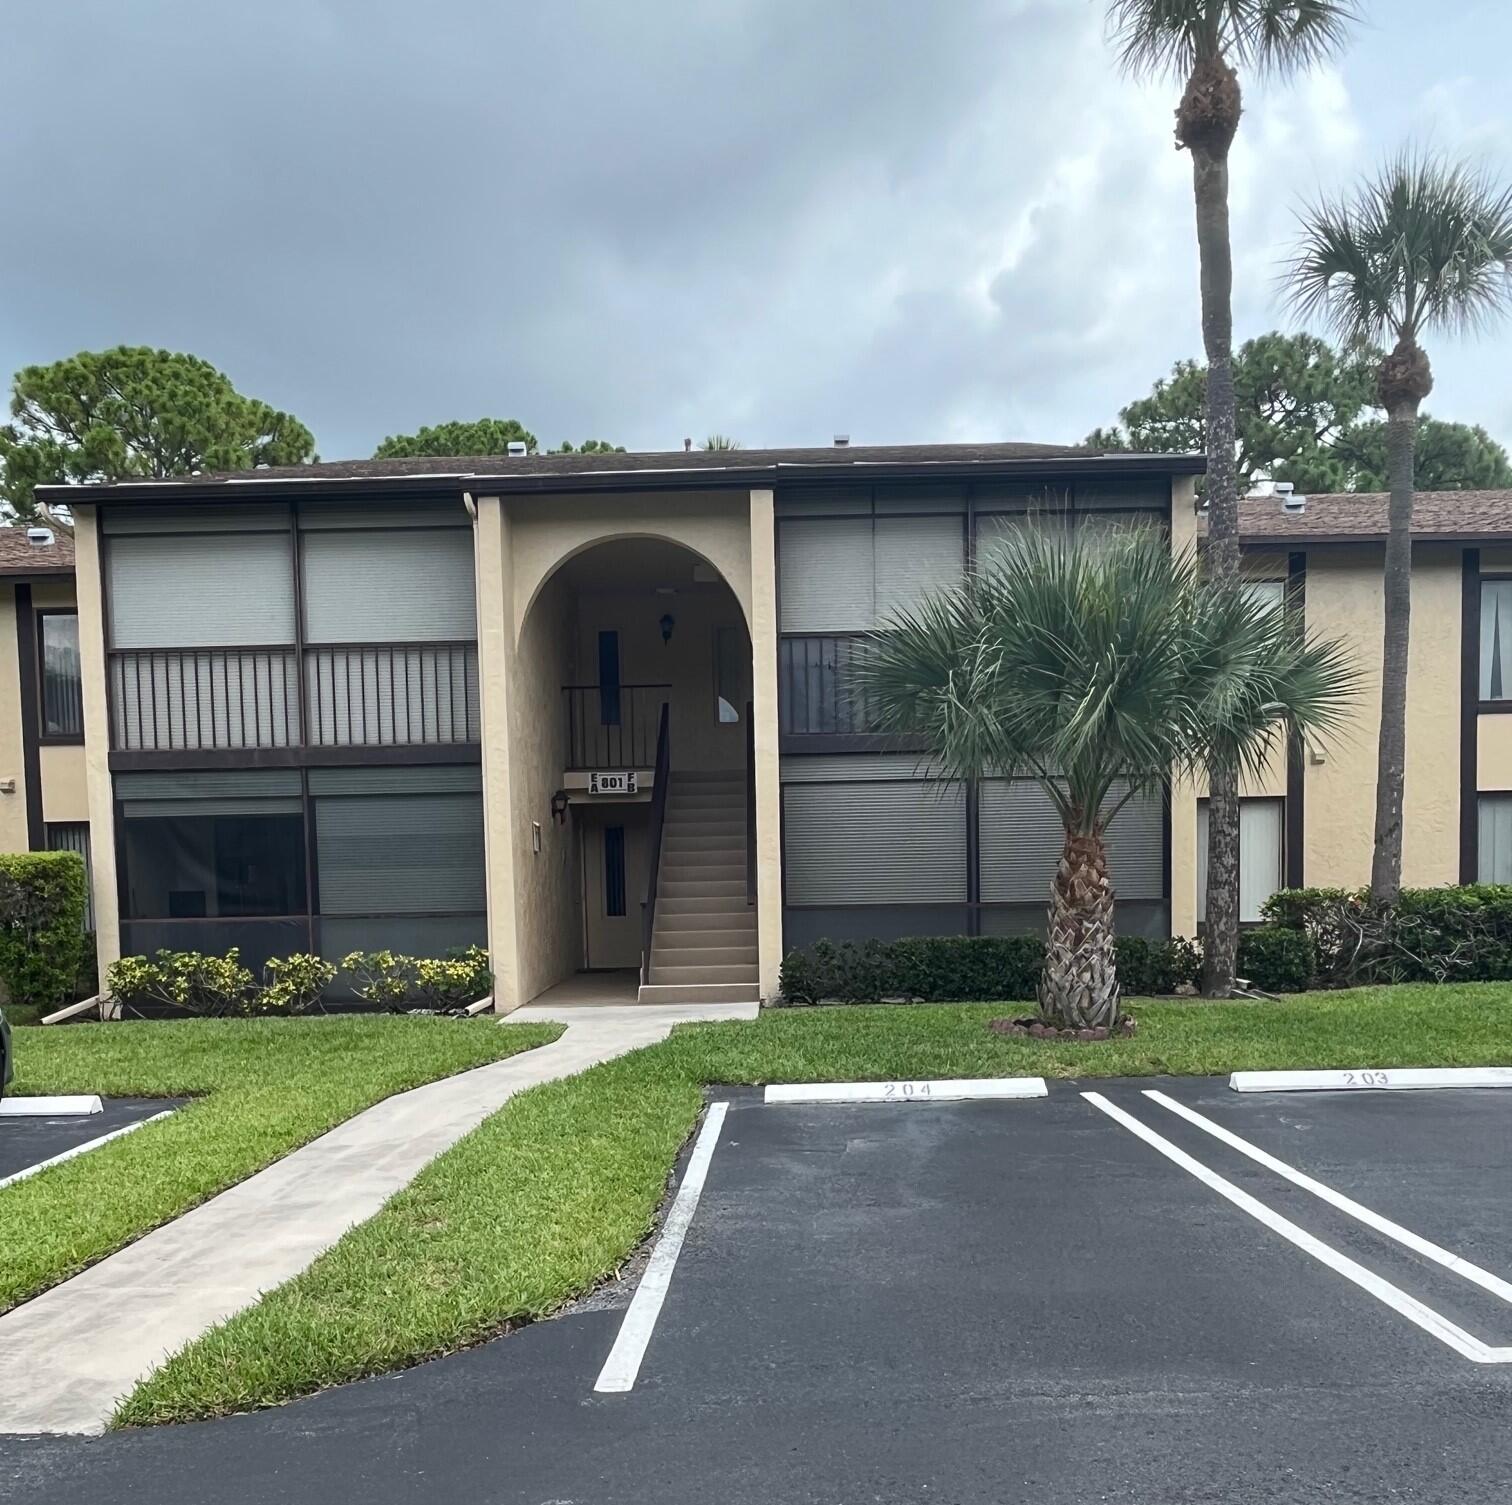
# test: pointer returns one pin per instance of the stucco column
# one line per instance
(102, 847)
(1184, 794)
(495, 631)
(764, 640)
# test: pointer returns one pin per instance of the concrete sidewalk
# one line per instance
(68, 1356)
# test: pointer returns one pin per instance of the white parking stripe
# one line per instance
(1404, 1236)
(931, 1091)
(1463, 1343)
(624, 1361)
(80, 1149)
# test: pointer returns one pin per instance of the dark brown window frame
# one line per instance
(39, 710)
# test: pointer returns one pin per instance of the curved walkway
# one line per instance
(67, 1356)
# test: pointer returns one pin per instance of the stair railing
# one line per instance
(750, 805)
(659, 780)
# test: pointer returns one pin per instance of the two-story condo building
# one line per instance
(592, 710)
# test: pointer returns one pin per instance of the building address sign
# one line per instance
(612, 783)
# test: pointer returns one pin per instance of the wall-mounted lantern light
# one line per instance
(668, 622)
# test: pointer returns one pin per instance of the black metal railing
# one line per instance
(613, 726)
(355, 695)
(658, 820)
(817, 689)
(393, 694)
(171, 699)
(750, 772)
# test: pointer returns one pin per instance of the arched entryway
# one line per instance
(632, 688)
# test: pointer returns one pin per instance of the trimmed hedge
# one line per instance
(963, 969)
(42, 940)
(1276, 959)
(1450, 934)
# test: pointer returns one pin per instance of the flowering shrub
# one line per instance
(380, 977)
(454, 981)
(185, 980)
(294, 984)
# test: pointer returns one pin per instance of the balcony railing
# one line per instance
(816, 687)
(613, 726)
(356, 695)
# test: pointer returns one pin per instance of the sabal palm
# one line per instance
(1096, 667)
(1424, 246)
(1202, 44)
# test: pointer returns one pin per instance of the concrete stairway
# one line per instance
(703, 949)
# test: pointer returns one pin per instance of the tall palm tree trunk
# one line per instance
(1391, 760)
(1206, 122)
(1079, 985)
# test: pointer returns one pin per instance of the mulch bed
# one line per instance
(1037, 1029)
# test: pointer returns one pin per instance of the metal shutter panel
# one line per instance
(875, 843)
(1020, 841)
(857, 768)
(915, 557)
(389, 587)
(1021, 837)
(251, 783)
(1495, 838)
(825, 574)
(200, 591)
(215, 517)
(400, 853)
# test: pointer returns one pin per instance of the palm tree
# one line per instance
(721, 441)
(1096, 667)
(1202, 43)
(1426, 245)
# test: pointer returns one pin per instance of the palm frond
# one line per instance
(1425, 244)
(1086, 661)
(1170, 37)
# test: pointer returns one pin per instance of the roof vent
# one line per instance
(841, 440)
(1290, 501)
(515, 449)
(40, 538)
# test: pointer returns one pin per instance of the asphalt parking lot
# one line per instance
(25, 1142)
(974, 1302)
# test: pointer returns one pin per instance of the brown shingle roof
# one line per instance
(19, 557)
(679, 467)
(1361, 515)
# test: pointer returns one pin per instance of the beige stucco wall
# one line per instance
(102, 851)
(65, 783)
(1344, 599)
(764, 639)
(548, 883)
(1183, 792)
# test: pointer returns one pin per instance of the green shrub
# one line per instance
(294, 984)
(960, 969)
(187, 981)
(382, 978)
(1155, 968)
(1332, 919)
(1275, 959)
(454, 981)
(42, 901)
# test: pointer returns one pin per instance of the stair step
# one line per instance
(695, 838)
(694, 957)
(713, 992)
(709, 938)
(672, 922)
(714, 830)
(702, 872)
(700, 975)
(721, 856)
(700, 888)
(708, 775)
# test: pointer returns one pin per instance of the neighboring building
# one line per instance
(388, 703)
(44, 802)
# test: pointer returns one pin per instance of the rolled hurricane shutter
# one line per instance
(826, 575)
(875, 843)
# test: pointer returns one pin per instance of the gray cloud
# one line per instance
(773, 218)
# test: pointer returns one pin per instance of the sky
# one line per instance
(777, 219)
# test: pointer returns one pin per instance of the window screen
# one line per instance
(1262, 851)
(1496, 640)
(62, 686)
(1495, 838)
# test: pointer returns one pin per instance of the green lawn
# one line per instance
(262, 1087)
(552, 1192)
